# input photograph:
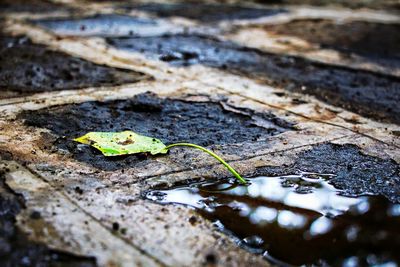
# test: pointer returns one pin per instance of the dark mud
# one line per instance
(297, 219)
(205, 12)
(15, 247)
(366, 93)
(28, 68)
(390, 5)
(356, 173)
(37, 6)
(365, 38)
(103, 25)
(202, 123)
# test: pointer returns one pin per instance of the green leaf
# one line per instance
(122, 143)
(128, 142)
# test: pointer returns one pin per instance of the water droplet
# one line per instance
(321, 226)
(156, 195)
(352, 233)
(253, 241)
(394, 210)
(351, 262)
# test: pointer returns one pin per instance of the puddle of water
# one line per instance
(108, 25)
(297, 219)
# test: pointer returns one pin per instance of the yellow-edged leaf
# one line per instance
(122, 143)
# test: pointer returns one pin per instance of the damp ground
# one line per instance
(205, 12)
(355, 172)
(356, 4)
(327, 205)
(169, 120)
(366, 93)
(374, 40)
(39, 6)
(15, 247)
(29, 68)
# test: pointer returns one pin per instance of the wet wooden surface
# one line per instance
(91, 211)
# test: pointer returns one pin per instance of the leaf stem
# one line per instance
(232, 170)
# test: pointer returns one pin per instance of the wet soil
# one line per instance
(356, 173)
(37, 6)
(369, 94)
(360, 37)
(207, 13)
(28, 68)
(374, 4)
(103, 25)
(297, 219)
(15, 247)
(202, 123)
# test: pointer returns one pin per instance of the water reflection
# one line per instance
(298, 219)
(321, 226)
